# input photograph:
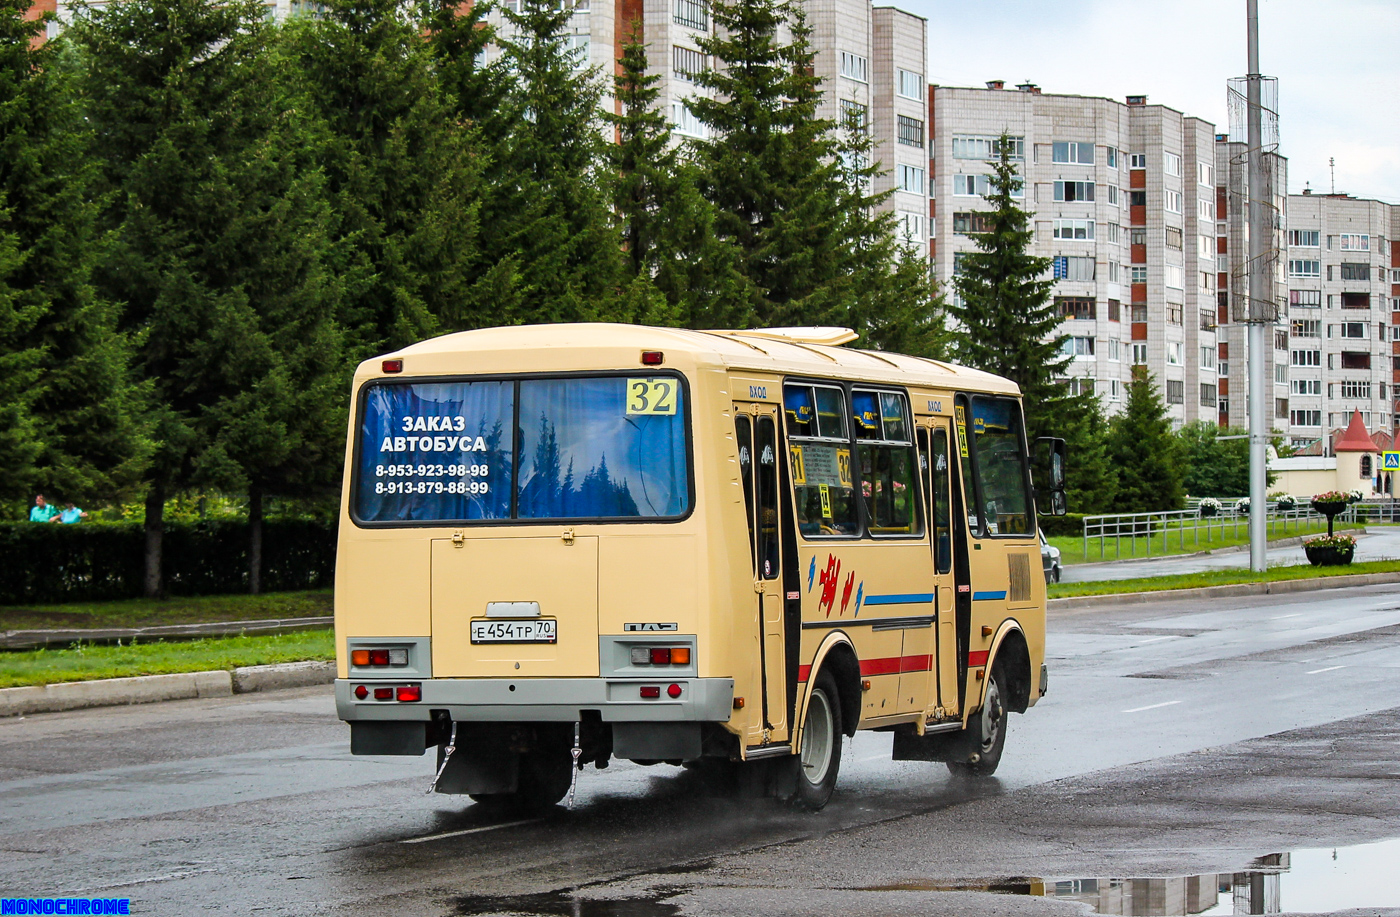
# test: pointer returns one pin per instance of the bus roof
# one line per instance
(789, 351)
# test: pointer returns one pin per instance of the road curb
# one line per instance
(1283, 587)
(147, 689)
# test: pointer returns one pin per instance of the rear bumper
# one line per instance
(543, 700)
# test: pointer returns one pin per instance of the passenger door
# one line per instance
(756, 429)
(935, 462)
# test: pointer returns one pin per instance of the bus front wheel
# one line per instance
(820, 758)
(979, 749)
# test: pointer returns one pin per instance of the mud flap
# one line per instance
(480, 771)
(388, 738)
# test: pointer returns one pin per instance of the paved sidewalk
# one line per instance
(1377, 544)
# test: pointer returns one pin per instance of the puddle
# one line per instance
(1303, 881)
(567, 904)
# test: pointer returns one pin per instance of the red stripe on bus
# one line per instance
(977, 658)
(804, 672)
(893, 665)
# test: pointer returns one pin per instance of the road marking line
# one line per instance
(1155, 639)
(1281, 617)
(1330, 668)
(1152, 706)
(438, 837)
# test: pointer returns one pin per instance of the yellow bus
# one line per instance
(562, 544)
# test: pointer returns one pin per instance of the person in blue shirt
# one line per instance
(42, 511)
(71, 515)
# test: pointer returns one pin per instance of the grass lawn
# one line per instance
(86, 662)
(1072, 547)
(149, 612)
(1216, 578)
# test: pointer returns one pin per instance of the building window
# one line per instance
(1115, 309)
(1068, 191)
(1280, 340)
(970, 185)
(1137, 198)
(683, 121)
(1171, 200)
(1137, 161)
(1305, 358)
(855, 116)
(686, 63)
(1281, 408)
(1353, 242)
(910, 84)
(1353, 360)
(1113, 195)
(855, 67)
(1353, 330)
(694, 14)
(1137, 274)
(1305, 418)
(910, 178)
(1207, 356)
(1307, 328)
(1280, 374)
(1174, 238)
(576, 50)
(1356, 300)
(1306, 387)
(1302, 238)
(911, 130)
(1113, 349)
(975, 221)
(1176, 391)
(1066, 267)
(1110, 157)
(1110, 234)
(1139, 354)
(1174, 352)
(1078, 347)
(971, 147)
(1076, 306)
(1139, 311)
(1137, 236)
(1308, 299)
(1080, 386)
(1353, 388)
(1205, 210)
(1354, 271)
(1208, 395)
(1080, 153)
(1304, 268)
(1074, 229)
(1174, 276)
(1171, 163)
(911, 226)
(1205, 174)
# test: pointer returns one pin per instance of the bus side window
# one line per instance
(942, 534)
(1001, 465)
(767, 498)
(743, 433)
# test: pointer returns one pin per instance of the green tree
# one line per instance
(1092, 476)
(1215, 467)
(217, 237)
(69, 414)
(1146, 452)
(1007, 322)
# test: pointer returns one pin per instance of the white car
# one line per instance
(1049, 559)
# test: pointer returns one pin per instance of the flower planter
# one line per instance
(1329, 509)
(1328, 556)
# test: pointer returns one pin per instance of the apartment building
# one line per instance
(1232, 245)
(871, 61)
(1342, 267)
(1123, 201)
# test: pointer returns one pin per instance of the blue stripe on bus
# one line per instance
(912, 598)
(988, 596)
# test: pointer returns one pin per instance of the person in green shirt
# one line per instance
(72, 515)
(42, 511)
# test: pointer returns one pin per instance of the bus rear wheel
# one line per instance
(819, 760)
(978, 751)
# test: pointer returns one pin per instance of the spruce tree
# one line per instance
(1007, 323)
(1145, 452)
(1092, 478)
(71, 421)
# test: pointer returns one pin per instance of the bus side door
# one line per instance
(756, 428)
(935, 463)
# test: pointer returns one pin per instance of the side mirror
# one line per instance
(1049, 475)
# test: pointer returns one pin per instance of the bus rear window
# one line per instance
(609, 447)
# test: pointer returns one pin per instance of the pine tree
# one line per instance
(1008, 323)
(1092, 478)
(1146, 452)
(71, 416)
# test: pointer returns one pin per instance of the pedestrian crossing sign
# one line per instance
(1391, 461)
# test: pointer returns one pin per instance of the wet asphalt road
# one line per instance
(1177, 740)
(1379, 543)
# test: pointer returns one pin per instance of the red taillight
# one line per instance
(651, 690)
(378, 657)
(392, 366)
(410, 693)
(674, 691)
(361, 692)
(383, 693)
(660, 655)
(652, 358)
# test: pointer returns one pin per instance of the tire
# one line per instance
(545, 776)
(819, 760)
(1055, 573)
(980, 744)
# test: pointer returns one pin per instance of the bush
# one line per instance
(42, 564)
(1070, 524)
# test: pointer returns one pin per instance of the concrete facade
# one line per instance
(1122, 197)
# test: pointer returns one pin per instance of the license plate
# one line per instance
(542, 630)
